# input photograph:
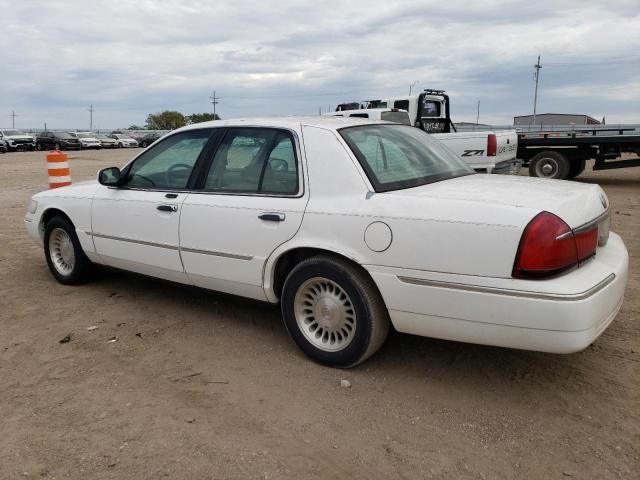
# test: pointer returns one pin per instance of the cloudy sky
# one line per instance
(130, 58)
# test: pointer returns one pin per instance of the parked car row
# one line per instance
(82, 140)
(16, 140)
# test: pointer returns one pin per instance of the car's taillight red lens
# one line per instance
(492, 145)
(586, 243)
(548, 247)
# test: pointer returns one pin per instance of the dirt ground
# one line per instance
(200, 385)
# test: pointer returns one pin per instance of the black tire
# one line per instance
(549, 164)
(144, 144)
(371, 314)
(576, 168)
(57, 147)
(120, 145)
(38, 147)
(81, 269)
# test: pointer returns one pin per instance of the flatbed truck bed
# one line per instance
(563, 154)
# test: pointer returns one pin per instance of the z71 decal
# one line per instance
(472, 153)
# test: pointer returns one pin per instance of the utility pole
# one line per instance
(536, 76)
(478, 114)
(214, 102)
(411, 86)
(91, 110)
(13, 119)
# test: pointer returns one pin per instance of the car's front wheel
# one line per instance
(334, 312)
(65, 257)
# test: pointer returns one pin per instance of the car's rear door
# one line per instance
(136, 226)
(252, 200)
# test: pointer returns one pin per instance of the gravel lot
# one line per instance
(200, 385)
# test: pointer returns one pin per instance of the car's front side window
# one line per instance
(255, 160)
(168, 165)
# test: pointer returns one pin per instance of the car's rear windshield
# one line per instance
(399, 156)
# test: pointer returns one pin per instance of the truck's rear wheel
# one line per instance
(550, 165)
(577, 167)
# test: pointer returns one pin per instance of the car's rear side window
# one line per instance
(254, 161)
(399, 156)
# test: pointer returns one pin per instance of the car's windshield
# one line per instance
(11, 133)
(64, 135)
(102, 137)
(86, 135)
(398, 156)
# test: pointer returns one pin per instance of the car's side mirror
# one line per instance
(109, 177)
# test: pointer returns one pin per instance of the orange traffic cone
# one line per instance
(58, 166)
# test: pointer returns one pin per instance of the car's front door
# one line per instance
(135, 226)
(252, 200)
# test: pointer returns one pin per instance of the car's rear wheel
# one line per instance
(65, 257)
(549, 165)
(144, 144)
(334, 312)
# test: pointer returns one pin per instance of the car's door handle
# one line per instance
(272, 216)
(167, 208)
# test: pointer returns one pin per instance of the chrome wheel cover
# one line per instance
(324, 314)
(61, 251)
(547, 167)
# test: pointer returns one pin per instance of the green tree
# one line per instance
(135, 127)
(201, 117)
(167, 120)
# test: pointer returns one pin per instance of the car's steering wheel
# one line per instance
(153, 184)
(175, 166)
(278, 164)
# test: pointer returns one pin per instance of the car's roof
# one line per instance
(328, 122)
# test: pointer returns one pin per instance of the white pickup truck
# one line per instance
(486, 151)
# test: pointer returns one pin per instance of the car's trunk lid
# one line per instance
(576, 203)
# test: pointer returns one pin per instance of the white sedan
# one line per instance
(352, 226)
(124, 141)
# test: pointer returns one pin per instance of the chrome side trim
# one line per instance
(172, 247)
(216, 254)
(509, 292)
(585, 226)
(592, 223)
(130, 240)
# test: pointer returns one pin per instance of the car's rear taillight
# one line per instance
(548, 247)
(492, 145)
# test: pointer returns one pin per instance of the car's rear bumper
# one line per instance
(561, 315)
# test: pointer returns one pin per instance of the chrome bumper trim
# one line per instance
(509, 292)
